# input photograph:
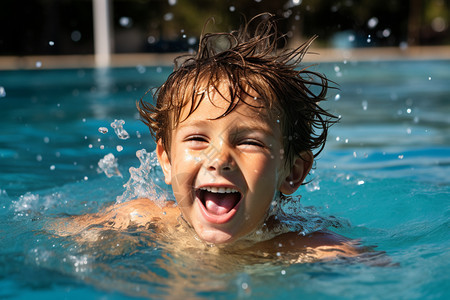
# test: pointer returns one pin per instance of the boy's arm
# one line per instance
(137, 213)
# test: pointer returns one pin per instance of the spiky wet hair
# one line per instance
(247, 59)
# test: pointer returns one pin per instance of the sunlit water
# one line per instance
(383, 178)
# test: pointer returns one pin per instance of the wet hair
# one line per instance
(246, 60)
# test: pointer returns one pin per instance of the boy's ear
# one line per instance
(300, 168)
(164, 161)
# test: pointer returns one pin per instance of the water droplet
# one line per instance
(102, 147)
(38, 64)
(364, 105)
(118, 129)
(119, 148)
(369, 39)
(51, 43)
(337, 97)
(39, 157)
(373, 22)
(126, 22)
(408, 111)
(168, 17)
(46, 139)
(403, 45)
(2, 92)
(75, 36)
(232, 8)
(191, 41)
(108, 165)
(283, 272)
(337, 139)
(386, 33)
(429, 78)
(400, 156)
(141, 69)
(103, 130)
(172, 2)
(439, 24)
(52, 167)
(361, 182)
(85, 178)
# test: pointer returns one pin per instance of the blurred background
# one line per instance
(65, 27)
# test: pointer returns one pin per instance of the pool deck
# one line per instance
(152, 59)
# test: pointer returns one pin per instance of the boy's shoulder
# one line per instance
(319, 245)
(121, 216)
(140, 212)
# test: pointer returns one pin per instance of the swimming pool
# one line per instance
(385, 171)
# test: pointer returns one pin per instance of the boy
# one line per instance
(235, 128)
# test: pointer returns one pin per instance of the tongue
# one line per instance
(220, 203)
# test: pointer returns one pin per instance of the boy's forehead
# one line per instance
(216, 101)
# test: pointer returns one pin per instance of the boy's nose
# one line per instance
(222, 162)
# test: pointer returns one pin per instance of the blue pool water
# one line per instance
(385, 172)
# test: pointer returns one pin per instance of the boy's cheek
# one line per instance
(182, 189)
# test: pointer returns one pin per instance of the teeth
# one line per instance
(213, 189)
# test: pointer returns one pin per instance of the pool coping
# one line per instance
(166, 59)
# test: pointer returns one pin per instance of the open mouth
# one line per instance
(218, 201)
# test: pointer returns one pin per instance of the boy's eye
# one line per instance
(196, 141)
(197, 138)
(251, 143)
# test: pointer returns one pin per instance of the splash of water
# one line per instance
(143, 182)
(291, 216)
(305, 220)
(108, 164)
(31, 204)
(121, 133)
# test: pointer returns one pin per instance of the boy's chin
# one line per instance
(215, 236)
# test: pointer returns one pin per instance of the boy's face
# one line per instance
(226, 172)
